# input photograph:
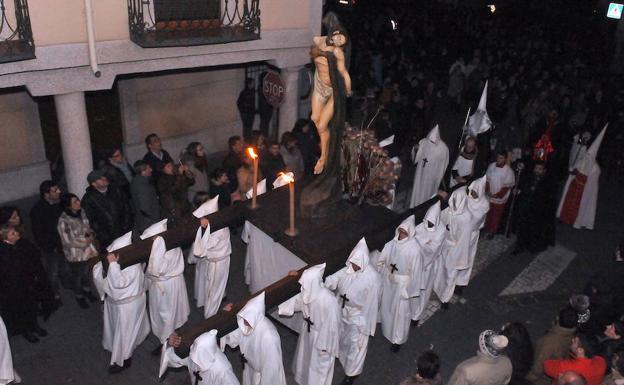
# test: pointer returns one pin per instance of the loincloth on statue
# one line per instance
(323, 90)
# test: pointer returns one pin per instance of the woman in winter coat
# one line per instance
(77, 239)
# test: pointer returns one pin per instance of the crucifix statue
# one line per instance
(323, 93)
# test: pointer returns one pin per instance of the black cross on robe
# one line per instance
(393, 268)
(345, 299)
(309, 321)
(243, 360)
(197, 377)
(425, 161)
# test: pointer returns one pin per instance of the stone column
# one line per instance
(289, 110)
(75, 140)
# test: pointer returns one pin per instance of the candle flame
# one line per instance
(287, 178)
(252, 153)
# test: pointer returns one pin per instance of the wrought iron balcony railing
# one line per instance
(16, 39)
(175, 23)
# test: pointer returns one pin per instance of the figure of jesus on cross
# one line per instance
(323, 95)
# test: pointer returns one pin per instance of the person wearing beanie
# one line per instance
(489, 367)
(583, 361)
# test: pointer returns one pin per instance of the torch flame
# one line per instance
(286, 177)
(252, 153)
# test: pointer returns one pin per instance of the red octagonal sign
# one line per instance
(273, 88)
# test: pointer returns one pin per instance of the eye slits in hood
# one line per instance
(360, 256)
(408, 225)
(433, 216)
(478, 186)
(204, 349)
(311, 281)
(253, 313)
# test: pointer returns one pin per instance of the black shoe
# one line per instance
(157, 350)
(114, 368)
(41, 332)
(445, 306)
(90, 296)
(127, 363)
(348, 380)
(30, 337)
(415, 323)
(395, 348)
(82, 302)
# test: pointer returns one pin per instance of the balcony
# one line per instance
(16, 38)
(178, 23)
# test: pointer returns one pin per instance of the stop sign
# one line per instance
(273, 88)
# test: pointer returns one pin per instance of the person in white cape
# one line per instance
(8, 375)
(358, 289)
(168, 300)
(400, 264)
(478, 205)
(318, 343)
(431, 161)
(211, 252)
(429, 235)
(125, 318)
(455, 253)
(580, 194)
(206, 364)
(259, 342)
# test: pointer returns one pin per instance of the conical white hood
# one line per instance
(360, 255)
(434, 134)
(483, 101)
(252, 312)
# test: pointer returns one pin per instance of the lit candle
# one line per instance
(254, 192)
(291, 230)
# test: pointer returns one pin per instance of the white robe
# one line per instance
(212, 252)
(362, 289)
(317, 349)
(455, 254)
(499, 178)
(478, 209)
(400, 285)
(429, 244)
(261, 345)
(125, 317)
(7, 373)
(168, 300)
(205, 360)
(431, 162)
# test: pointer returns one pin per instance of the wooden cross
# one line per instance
(197, 377)
(309, 321)
(393, 268)
(344, 300)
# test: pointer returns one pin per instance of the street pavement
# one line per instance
(527, 288)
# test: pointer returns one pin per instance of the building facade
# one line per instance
(178, 67)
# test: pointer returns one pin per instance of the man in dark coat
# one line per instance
(156, 156)
(144, 197)
(536, 207)
(24, 287)
(43, 218)
(118, 171)
(246, 104)
(272, 163)
(108, 212)
(233, 160)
